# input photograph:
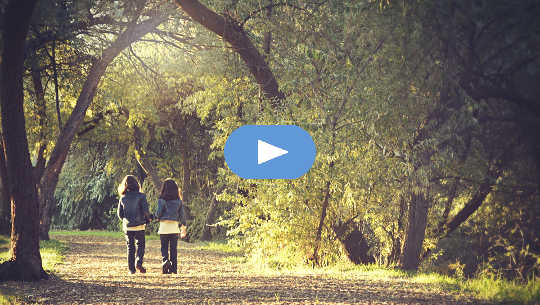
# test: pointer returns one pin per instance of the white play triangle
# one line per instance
(267, 152)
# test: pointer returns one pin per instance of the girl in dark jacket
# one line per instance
(133, 211)
(170, 213)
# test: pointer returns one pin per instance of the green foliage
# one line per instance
(381, 87)
(86, 192)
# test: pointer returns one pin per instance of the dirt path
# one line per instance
(95, 272)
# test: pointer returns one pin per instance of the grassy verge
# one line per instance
(489, 289)
(52, 252)
(503, 291)
(219, 246)
(7, 297)
(114, 234)
(494, 290)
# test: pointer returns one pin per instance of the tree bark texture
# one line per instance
(39, 94)
(318, 235)
(232, 33)
(5, 203)
(416, 230)
(25, 263)
(67, 134)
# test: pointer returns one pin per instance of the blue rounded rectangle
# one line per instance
(269, 151)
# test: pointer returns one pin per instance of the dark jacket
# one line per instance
(134, 207)
(171, 210)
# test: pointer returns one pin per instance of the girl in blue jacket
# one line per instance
(133, 211)
(170, 213)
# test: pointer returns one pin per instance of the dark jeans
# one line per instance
(169, 253)
(135, 238)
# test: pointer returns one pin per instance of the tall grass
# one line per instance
(503, 291)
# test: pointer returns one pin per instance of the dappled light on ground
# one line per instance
(95, 272)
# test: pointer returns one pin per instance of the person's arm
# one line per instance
(120, 209)
(181, 213)
(146, 211)
(182, 220)
(160, 209)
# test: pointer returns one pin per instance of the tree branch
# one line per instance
(240, 42)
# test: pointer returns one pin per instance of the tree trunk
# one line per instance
(416, 230)
(67, 134)
(469, 208)
(268, 35)
(143, 159)
(25, 262)
(318, 235)
(42, 116)
(55, 78)
(396, 242)
(448, 207)
(326, 200)
(48, 205)
(210, 216)
(239, 41)
(186, 167)
(141, 173)
(5, 202)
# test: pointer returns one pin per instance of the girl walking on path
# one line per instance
(133, 211)
(170, 213)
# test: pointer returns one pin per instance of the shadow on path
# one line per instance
(95, 271)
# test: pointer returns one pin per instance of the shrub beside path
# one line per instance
(95, 272)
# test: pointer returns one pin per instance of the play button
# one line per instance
(269, 151)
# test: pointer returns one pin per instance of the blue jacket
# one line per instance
(134, 207)
(171, 210)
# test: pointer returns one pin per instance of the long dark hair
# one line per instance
(170, 190)
(128, 183)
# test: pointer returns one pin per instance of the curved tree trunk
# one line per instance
(25, 262)
(239, 41)
(67, 134)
